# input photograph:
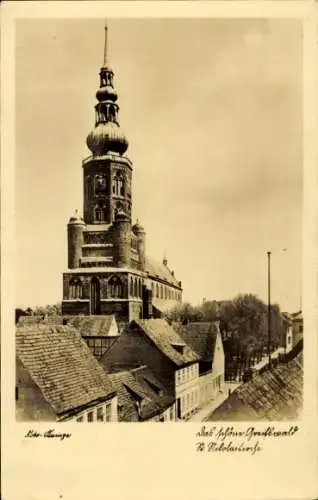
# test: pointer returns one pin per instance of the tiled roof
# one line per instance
(158, 269)
(92, 326)
(165, 337)
(201, 337)
(135, 390)
(271, 395)
(62, 366)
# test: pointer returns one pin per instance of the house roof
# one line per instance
(297, 315)
(62, 366)
(159, 270)
(201, 337)
(139, 388)
(93, 326)
(165, 338)
(271, 395)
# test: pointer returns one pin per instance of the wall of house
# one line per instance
(289, 339)
(187, 389)
(210, 385)
(99, 413)
(135, 349)
(166, 416)
(30, 403)
(297, 331)
(218, 365)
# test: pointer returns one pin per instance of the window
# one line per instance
(75, 288)
(139, 286)
(157, 291)
(131, 287)
(119, 185)
(100, 213)
(100, 414)
(188, 400)
(100, 184)
(90, 416)
(136, 288)
(108, 414)
(79, 419)
(115, 287)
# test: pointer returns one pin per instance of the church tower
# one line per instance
(108, 271)
(107, 173)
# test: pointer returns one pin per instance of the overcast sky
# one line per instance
(212, 110)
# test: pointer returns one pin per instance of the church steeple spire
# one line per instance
(105, 45)
(107, 136)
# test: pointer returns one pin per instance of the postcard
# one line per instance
(159, 250)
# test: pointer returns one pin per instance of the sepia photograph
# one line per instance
(159, 206)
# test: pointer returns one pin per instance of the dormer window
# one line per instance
(179, 348)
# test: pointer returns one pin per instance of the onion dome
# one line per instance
(107, 137)
(137, 228)
(106, 93)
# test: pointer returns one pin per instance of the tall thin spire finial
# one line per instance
(105, 46)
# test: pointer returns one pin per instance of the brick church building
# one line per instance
(109, 271)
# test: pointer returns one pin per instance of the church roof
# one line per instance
(166, 339)
(62, 366)
(140, 394)
(201, 337)
(159, 270)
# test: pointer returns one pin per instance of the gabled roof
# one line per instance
(93, 326)
(271, 395)
(165, 337)
(201, 337)
(158, 269)
(137, 400)
(287, 318)
(62, 366)
(297, 315)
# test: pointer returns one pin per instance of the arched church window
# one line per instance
(100, 213)
(131, 291)
(119, 184)
(115, 287)
(75, 288)
(122, 187)
(100, 184)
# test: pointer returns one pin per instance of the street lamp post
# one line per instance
(269, 311)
